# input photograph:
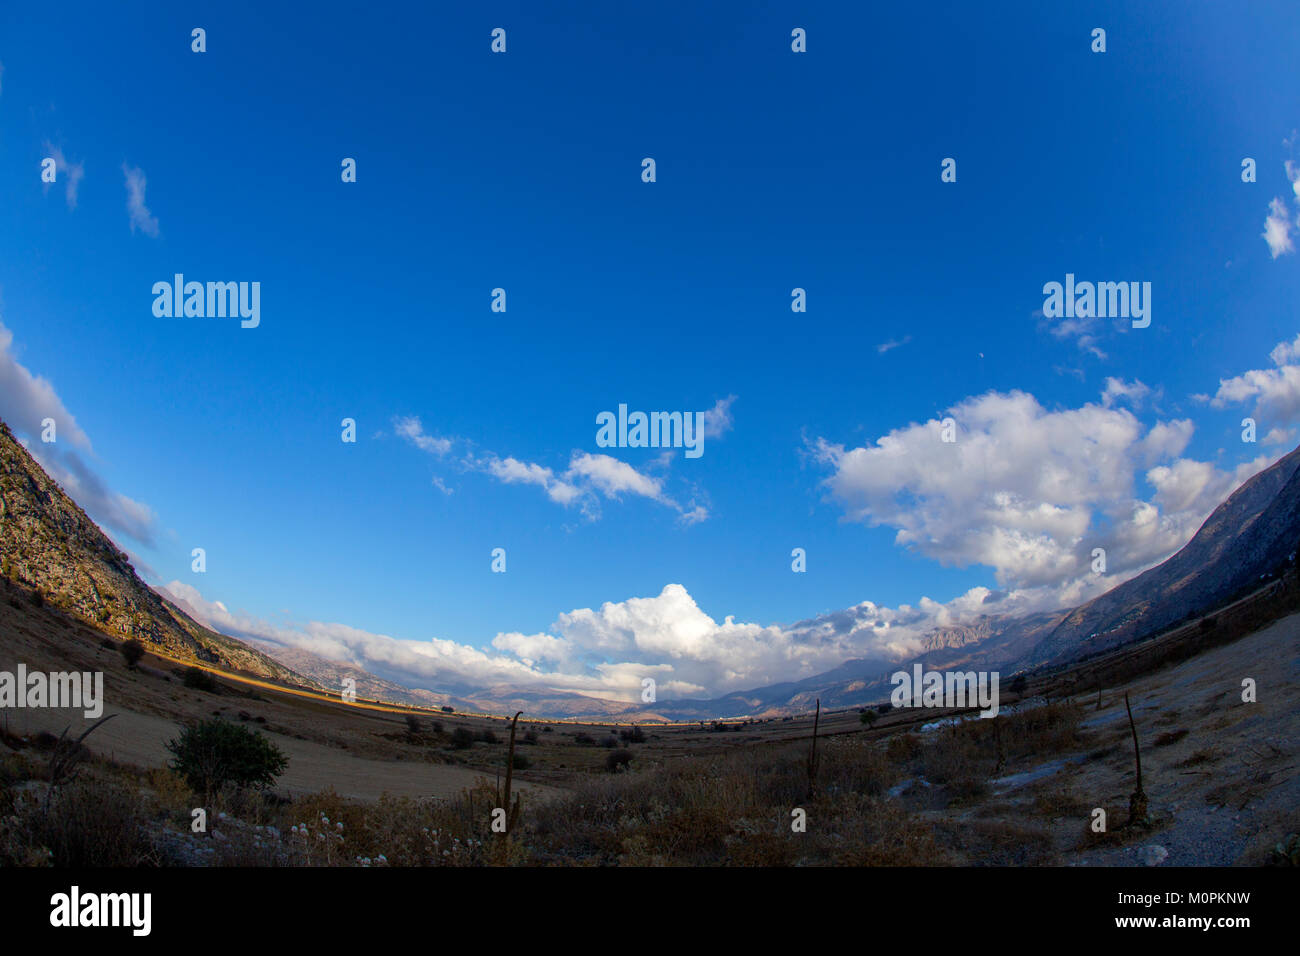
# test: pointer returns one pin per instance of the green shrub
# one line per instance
(215, 752)
(618, 760)
(196, 678)
(462, 738)
(132, 651)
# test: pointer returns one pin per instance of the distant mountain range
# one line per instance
(989, 642)
(1247, 539)
(49, 544)
(488, 700)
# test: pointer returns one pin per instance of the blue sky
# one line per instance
(522, 170)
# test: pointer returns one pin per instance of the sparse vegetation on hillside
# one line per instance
(52, 547)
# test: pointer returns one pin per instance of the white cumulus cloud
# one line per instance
(1274, 392)
(1029, 491)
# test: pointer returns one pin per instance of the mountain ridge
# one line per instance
(1245, 539)
(50, 545)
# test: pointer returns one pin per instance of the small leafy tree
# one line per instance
(132, 651)
(213, 753)
(868, 717)
(196, 678)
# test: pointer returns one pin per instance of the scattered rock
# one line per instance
(1153, 855)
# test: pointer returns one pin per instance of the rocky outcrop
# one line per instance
(49, 545)
(1244, 543)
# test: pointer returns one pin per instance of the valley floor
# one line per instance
(1220, 773)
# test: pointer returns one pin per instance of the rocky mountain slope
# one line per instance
(1245, 541)
(49, 545)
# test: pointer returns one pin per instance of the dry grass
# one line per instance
(86, 824)
(999, 843)
(1058, 802)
